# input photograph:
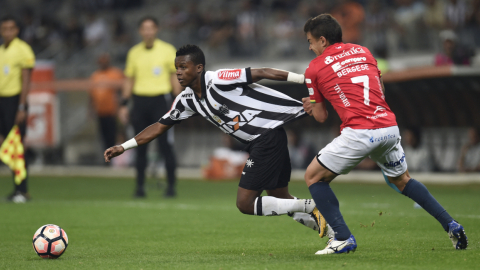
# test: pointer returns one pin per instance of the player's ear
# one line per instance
(200, 68)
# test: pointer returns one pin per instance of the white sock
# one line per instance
(271, 206)
(305, 219)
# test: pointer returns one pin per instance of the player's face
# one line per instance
(9, 31)
(187, 71)
(148, 30)
(316, 45)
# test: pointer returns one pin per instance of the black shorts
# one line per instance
(8, 112)
(268, 166)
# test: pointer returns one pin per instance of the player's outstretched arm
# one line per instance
(276, 75)
(144, 137)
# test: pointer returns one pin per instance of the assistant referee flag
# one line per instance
(12, 154)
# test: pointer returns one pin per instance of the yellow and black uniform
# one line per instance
(151, 69)
(17, 56)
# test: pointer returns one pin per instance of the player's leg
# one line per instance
(165, 144)
(9, 108)
(312, 220)
(338, 157)
(267, 169)
(139, 119)
(394, 165)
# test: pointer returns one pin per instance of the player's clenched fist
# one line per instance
(307, 105)
(113, 152)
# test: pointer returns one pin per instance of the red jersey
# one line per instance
(347, 76)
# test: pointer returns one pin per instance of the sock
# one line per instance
(420, 194)
(305, 219)
(328, 205)
(271, 206)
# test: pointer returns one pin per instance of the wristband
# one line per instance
(296, 78)
(132, 143)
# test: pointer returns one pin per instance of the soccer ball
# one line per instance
(50, 241)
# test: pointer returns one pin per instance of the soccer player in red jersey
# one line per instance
(347, 76)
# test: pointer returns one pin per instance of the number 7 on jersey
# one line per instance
(365, 80)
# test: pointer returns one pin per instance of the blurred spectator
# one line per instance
(350, 15)
(222, 29)
(453, 53)
(377, 21)
(456, 13)
(73, 34)
(283, 32)
(470, 155)
(434, 14)
(301, 152)
(408, 15)
(105, 98)
(473, 22)
(419, 157)
(248, 30)
(96, 33)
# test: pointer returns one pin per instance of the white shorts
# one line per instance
(353, 145)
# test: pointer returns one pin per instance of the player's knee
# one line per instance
(245, 208)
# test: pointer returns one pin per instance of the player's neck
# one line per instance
(196, 86)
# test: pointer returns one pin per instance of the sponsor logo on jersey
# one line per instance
(392, 164)
(217, 119)
(310, 91)
(229, 74)
(377, 116)
(209, 85)
(379, 109)
(307, 80)
(224, 109)
(341, 95)
(175, 114)
(242, 119)
(190, 95)
(352, 51)
(382, 138)
(348, 62)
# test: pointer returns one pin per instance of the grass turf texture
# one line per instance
(202, 229)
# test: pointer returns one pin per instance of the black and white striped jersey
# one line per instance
(236, 105)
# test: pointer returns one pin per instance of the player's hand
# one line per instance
(21, 117)
(113, 152)
(123, 115)
(307, 105)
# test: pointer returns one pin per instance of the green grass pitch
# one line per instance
(202, 229)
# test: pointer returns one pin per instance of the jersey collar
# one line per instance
(14, 41)
(331, 47)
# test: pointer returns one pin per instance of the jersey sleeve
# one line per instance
(311, 82)
(232, 76)
(28, 59)
(130, 65)
(179, 111)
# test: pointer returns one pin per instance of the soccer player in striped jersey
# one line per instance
(251, 113)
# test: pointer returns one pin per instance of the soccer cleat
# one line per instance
(18, 197)
(321, 222)
(335, 246)
(457, 235)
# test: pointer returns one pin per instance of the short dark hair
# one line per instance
(9, 18)
(148, 18)
(324, 25)
(195, 53)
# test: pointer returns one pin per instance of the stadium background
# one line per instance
(202, 229)
(67, 36)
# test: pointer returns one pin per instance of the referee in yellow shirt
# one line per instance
(150, 80)
(16, 62)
